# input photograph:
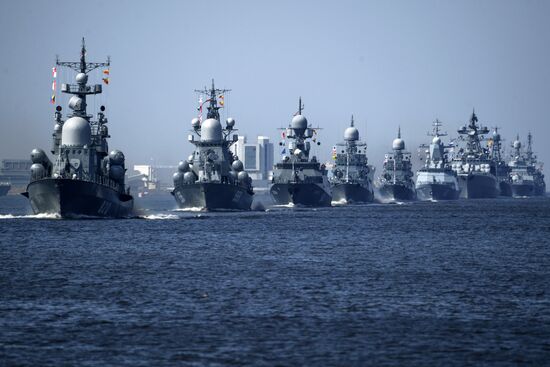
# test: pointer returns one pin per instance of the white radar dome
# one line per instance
(211, 131)
(81, 78)
(76, 132)
(398, 144)
(351, 133)
(299, 122)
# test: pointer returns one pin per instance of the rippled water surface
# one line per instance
(445, 283)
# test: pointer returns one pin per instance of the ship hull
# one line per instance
(397, 192)
(540, 190)
(212, 196)
(351, 193)
(523, 189)
(306, 194)
(76, 198)
(505, 188)
(4, 189)
(437, 192)
(478, 186)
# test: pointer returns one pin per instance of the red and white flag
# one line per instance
(200, 109)
(54, 72)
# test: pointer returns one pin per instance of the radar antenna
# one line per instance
(82, 66)
(213, 94)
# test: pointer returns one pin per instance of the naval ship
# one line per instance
(351, 179)
(4, 188)
(502, 170)
(212, 178)
(299, 179)
(525, 172)
(473, 165)
(396, 182)
(84, 179)
(436, 180)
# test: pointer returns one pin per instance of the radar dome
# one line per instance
(517, 144)
(351, 133)
(237, 165)
(436, 140)
(38, 156)
(211, 131)
(37, 171)
(116, 173)
(57, 128)
(496, 136)
(299, 122)
(398, 144)
(190, 159)
(76, 103)
(297, 152)
(189, 177)
(243, 176)
(76, 132)
(177, 177)
(230, 122)
(116, 157)
(183, 166)
(81, 78)
(195, 123)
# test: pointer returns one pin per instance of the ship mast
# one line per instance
(529, 151)
(81, 89)
(212, 95)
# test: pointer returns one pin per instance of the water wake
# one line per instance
(160, 216)
(31, 216)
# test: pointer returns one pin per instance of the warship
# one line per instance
(85, 179)
(473, 165)
(436, 180)
(299, 179)
(525, 172)
(351, 179)
(212, 178)
(502, 170)
(396, 182)
(4, 188)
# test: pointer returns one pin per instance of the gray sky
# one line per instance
(389, 63)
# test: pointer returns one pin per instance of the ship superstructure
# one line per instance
(212, 178)
(473, 165)
(436, 180)
(502, 170)
(396, 180)
(526, 174)
(298, 178)
(84, 179)
(351, 179)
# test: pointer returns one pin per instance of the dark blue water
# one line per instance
(448, 283)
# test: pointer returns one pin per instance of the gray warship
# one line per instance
(502, 170)
(473, 165)
(436, 180)
(299, 179)
(85, 179)
(525, 172)
(351, 179)
(4, 188)
(396, 181)
(212, 178)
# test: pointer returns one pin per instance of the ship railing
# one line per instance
(98, 179)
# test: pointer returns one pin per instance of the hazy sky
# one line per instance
(389, 63)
